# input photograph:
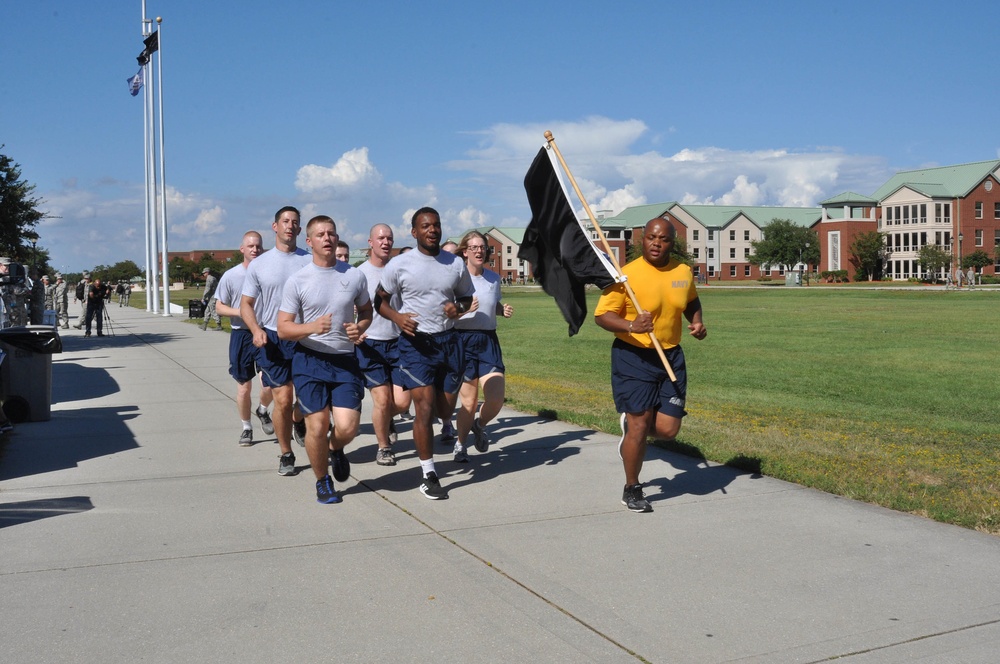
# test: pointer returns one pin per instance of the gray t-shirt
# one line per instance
(265, 279)
(425, 284)
(382, 329)
(487, 287)
(315, 291)
(229, 291)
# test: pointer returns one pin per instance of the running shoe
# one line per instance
(385, 457)
(480, 439)
(447, 432)
(634, 499)
(393, 436)
(325, 493)
(246, 438)
(299, 432)
(461, 456)
(286, 464)
(431, 488)
(341, 465)
(266, 425)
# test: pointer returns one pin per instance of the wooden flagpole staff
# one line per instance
(607, 249)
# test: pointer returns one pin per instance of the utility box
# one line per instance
(793, 278)
(26, 371)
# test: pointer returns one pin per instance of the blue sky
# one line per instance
(367, 111)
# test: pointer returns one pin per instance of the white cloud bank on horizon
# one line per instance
(102, 222)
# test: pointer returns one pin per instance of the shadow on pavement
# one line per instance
(14, 514)
(41, 447)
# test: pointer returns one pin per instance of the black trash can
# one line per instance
(26, 371)
(196, 309)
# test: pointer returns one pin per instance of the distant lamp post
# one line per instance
(801, 264)
(34, 252)
(960, 236)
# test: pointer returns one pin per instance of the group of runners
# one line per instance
(418, 331)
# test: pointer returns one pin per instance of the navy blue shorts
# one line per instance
(379, 362)
(431, 359)
(241, 356)
(326, 379)
(481, 354)
(275, 360)
(640, 382)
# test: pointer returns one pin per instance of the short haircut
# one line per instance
(287, 208)
(341, 243)
(320, 219)
(423, 210)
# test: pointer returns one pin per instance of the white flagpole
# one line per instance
(163, 172)
(147, 160)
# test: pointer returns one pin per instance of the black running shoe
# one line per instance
(286, 464)
(634, 499)
(341, 465)
(246, 438)
(431, 488)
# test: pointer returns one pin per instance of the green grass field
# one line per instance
(884, 396)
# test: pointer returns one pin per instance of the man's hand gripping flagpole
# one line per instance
(619, 277)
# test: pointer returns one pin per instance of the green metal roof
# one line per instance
(636, 216)
(849, 197)
(719, 216)
(944, 181)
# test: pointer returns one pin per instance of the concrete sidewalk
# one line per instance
(132, 527)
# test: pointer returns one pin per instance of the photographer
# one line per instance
(95, 306)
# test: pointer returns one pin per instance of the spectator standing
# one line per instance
(96, 296)
(82, 297)
(61, 301)
(208, 299)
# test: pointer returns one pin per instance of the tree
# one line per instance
(784, 243)
(868, 255)
(933, 258)
(18, 216)
(977, 259)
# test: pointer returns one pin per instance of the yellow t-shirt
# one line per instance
(664, 292)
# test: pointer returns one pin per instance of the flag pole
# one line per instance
(607, 249)
(163, 173)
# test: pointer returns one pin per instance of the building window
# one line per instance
(746, 236)
(694, 235)
(509, 261)
(711, 271)
(732, 270)
(996, 210)
(732, 236)
(996, 240)
(833, 240)
(942, 213)
(906, 214)
(979, 209)
(746, 270)
(508, 251)
(695, 252)
(746, 252)
(888, 216)
(711, 252)
(923, 213)
(979, 237)
(732, 252)
(711, 235)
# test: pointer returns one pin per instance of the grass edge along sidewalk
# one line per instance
(884, 396)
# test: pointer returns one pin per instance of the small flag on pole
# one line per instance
(152, 43)
(563, 258)
(135, 82)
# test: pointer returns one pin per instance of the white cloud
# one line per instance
(352, 171)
